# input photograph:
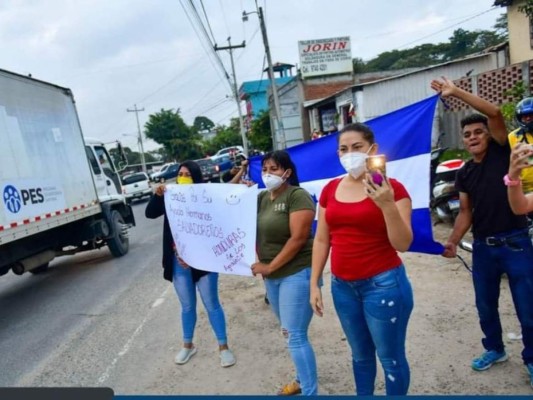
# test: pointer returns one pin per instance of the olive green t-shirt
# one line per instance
(273, 229)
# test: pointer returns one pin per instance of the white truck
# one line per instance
(61, 194)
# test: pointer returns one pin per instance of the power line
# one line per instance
(230, 48)
(207, 50)
(206, 38)
(226, 117)
(448, 27)
(207, 20)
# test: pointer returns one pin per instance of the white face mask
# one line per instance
(354, 163)
(272, 182)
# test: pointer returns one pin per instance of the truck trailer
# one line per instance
(61, 193)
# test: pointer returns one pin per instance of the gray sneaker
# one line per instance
(227, 359)
(184, 355)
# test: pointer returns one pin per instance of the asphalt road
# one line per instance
(71, 325)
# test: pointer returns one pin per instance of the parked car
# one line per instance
(227, 161)
(228, 150)
(136, 186)
(154, 176)
(209, 169)
(170, 173)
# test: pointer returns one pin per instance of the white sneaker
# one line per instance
(227, 359)
(184, 355)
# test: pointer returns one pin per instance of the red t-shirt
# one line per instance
(360, 247)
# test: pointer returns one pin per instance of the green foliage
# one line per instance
(461, 44)
(202, 123)
(358, 65)
(452, 154)
(517, 93)
(260, 134)
(169, 130)
(226, 136)
(133, 157)
(527, 9)
(501, 27)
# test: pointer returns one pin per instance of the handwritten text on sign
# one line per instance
(214, 225)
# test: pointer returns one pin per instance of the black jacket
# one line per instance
(154, 209)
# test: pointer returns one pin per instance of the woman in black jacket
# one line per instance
(186, 278)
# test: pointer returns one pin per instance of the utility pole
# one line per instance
(140, 138)
(235, 90)
(277, 109)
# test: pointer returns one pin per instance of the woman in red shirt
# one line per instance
(365, 224)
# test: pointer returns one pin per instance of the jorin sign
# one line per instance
(325, 56)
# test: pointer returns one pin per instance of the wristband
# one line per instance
(509, 182)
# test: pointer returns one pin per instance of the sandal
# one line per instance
(290, 389)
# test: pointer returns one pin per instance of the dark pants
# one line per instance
(512, 254)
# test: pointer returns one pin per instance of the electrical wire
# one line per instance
(208, 50)
(212, 51)
(446, 28)
(207, 20)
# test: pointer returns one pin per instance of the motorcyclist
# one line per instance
(524, 134)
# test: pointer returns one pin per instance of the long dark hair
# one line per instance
(282, 159)
(194, 169)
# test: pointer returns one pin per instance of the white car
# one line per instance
(228, 150)
(136, 186)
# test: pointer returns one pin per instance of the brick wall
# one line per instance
(491, 85)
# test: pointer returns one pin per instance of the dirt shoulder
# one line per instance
(443, 337)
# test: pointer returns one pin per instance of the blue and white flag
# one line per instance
(404, 136)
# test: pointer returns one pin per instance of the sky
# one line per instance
(115, 54)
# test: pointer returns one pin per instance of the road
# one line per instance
(68, 326)
(93, 320)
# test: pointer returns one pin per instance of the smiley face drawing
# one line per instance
(233, 200)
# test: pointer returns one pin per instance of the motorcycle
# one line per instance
(444, 198)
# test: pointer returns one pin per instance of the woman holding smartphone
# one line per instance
(365, 221)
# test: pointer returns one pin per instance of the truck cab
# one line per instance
(105, 174)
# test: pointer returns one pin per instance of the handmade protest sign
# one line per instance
(214, 225)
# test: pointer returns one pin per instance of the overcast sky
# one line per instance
(117, 53)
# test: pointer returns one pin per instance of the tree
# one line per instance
(260, 134)
(226, 136)
(461, 44)
(359, 65)
(202, 123)
(169, 130)
(516, 93)
(501, 27)
(133, 157)
(527, 8)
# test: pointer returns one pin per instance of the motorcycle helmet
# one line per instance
(524, 107)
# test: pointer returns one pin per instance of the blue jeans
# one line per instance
(514, 257)
(289, 299)
(374, 313)
(186, 291)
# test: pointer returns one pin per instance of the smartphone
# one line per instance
(376, 165)
(239, 158)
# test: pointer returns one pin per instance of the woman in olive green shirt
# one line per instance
(284, 244)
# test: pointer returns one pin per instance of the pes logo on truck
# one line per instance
(12, 199)
(19, 198)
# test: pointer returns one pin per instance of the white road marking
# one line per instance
(128, 343)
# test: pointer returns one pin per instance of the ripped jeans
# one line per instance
(374, 313)
(289, 299)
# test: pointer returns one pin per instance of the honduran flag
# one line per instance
(404, 136)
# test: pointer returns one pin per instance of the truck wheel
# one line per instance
(119, 243)
(40, 269)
